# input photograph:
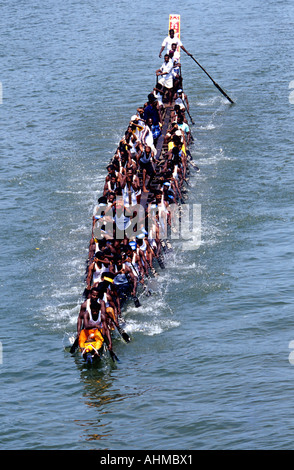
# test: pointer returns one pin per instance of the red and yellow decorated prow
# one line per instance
(175, 24)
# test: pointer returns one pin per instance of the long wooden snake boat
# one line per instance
(166, 187)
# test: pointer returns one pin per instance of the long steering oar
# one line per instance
(215, 84)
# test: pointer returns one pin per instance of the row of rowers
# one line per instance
(118, 264)
(131, 171)
(135, 162)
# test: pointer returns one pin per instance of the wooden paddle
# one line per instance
(215, 84)
(113, 356)
(188, 115)
(123, 334)
(74, 346)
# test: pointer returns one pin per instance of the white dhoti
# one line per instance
(166, 82)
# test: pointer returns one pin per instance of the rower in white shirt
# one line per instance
(166, 74)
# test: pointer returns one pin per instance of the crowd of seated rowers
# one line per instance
(127, 236)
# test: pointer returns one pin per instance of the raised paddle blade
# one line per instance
(74, 346)
(126, 337)
(136, 301)
(123, 334)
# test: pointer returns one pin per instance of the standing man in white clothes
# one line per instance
(169, 40)
(166, 74)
